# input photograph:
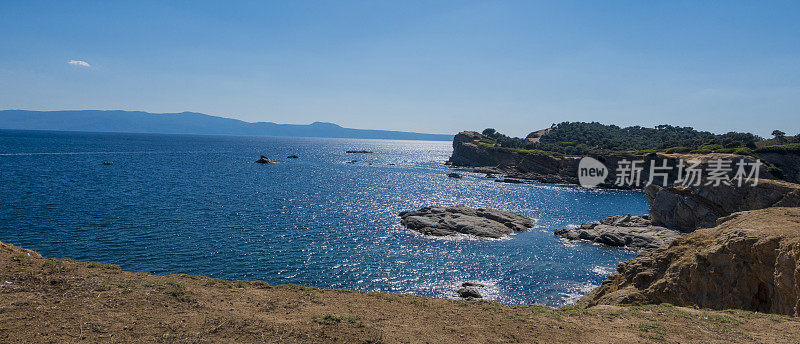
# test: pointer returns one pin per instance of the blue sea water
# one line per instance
(199, 205)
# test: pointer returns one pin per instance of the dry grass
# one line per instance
(57, 300)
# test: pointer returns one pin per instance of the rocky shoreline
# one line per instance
(742, 249)
(751, 261)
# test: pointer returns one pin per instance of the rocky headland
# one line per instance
(470, 151)
(742, 249)
(751, 261)
(478, 222)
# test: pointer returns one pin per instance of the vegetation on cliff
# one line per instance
(578, 138)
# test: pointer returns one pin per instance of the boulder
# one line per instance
(454, 175)
(293, 157)
(265, 160)
(479, 222)
(469, 293)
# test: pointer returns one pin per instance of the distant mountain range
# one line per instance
(187, 123)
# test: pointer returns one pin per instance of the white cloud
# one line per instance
(79, 63)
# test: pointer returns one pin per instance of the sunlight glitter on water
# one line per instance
(198, 205)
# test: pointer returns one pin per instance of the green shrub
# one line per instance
(787, 148)
(743, 151)
(97, 265)
(775, 171)
(711, 147)
(329, 319)
(678, 149)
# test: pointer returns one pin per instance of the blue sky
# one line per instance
(432, 66)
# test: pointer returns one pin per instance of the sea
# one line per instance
(198, 205)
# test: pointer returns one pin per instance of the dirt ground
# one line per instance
(60, 300)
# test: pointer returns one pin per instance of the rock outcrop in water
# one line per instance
(618, 231)
(750, 261)
(265, 160)
(689, 208)
(469, 293)
(480, 222)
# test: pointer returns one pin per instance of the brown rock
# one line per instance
(751, 261)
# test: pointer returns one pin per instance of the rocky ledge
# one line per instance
(750, 261)
(627, 231)
(479, 222)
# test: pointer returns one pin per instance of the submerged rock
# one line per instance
(480, 222)
(471, 284)
(510, 181)
(293, 157)
(627, 230)
(358, 151)
(454, 175)
(265, 160)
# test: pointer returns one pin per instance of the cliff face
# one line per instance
(789, 163)
(750, 261)
(468, 152)
(688, 208)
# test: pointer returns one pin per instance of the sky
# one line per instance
(425, 66)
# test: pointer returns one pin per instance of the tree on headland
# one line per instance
(779, 135)
(489, 132)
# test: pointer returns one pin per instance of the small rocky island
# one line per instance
(479, 222)
(623, 230)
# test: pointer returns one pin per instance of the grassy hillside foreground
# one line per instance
(60, 300)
